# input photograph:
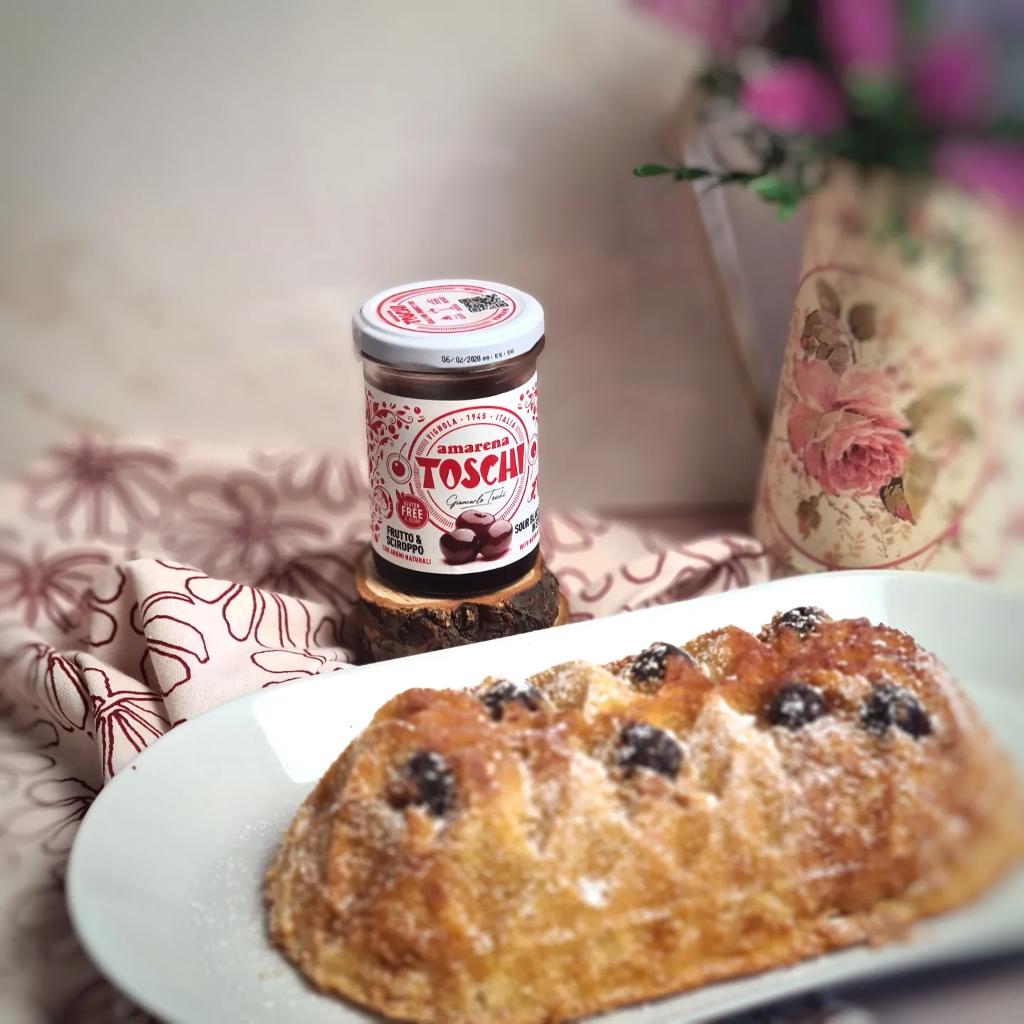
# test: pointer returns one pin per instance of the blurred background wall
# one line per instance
(195, 195)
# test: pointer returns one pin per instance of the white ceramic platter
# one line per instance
(165, 875)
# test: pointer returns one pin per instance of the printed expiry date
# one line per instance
(485, 357)
(464, 360)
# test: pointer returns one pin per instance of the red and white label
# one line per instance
(446, 308)
(454, 484)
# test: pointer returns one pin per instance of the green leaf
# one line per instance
(652, 170)
(776, 189)
(872, 96)
(690, 173)
(917, 17)
(786, 209)
(1008, 127)
(732, 177)
(678, 173)
(784, 192)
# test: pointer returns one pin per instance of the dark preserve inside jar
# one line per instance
(452, 435)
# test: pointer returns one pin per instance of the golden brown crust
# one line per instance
(558, 874)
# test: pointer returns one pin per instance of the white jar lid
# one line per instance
(448, 324)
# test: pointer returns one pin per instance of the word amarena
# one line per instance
(494, 468)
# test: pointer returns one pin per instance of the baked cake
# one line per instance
(534, 851)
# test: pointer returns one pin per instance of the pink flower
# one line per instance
(47, 588)
(721, 25)
(862, 36)
(234, 527)
(127, 721)
(337, 484)
(249, 614)
(951, 80)
(56, 683)
(91, 489)
(52, 813)
(995, 169)
(843, 430)
(174, 646)
(794, 97)
(324, 576)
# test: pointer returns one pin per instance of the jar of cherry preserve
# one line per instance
(450, 369)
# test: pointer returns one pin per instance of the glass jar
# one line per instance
(450, 370)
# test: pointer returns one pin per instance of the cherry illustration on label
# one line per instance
(476, 534)
(475, 521)
(496, 540)
(459, 546)
(399, 469)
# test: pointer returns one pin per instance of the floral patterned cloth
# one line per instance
(141, 585)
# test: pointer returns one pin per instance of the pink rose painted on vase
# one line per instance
(843, 429)
(892, 443)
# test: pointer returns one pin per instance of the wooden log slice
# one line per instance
(390, 624)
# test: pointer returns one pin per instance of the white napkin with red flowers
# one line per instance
(141, 585)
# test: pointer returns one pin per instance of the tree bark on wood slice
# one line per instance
(390, 624)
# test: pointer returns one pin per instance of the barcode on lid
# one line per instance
(481, 303)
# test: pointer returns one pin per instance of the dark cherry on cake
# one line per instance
(459, 546)
(795, 705)
(647, 670)
(645, 746)
(496, 540)
(890, 705)
(507, 691)
(802, 619)
(426, 781)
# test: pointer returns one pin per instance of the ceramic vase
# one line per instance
(898, 434)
